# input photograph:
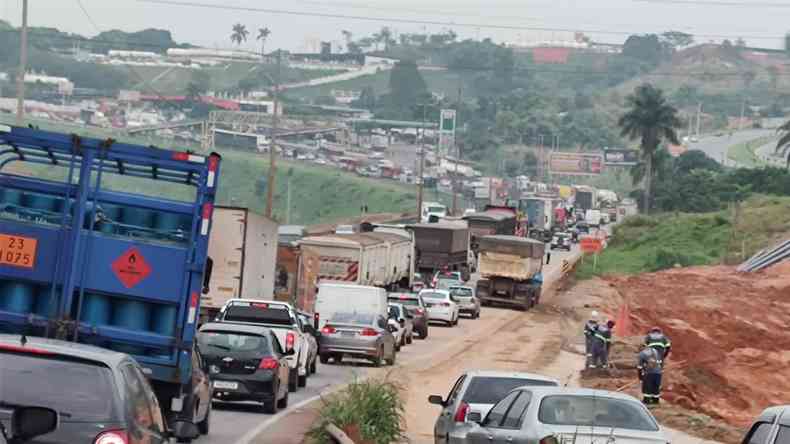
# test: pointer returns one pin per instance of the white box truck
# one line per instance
(348, 298)
(243, 250)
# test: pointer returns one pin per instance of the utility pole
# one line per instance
(743, 113)
(288, 202)
(422, 167)
(457, 152)
(699, 113)
(273, 143)
(20, 78)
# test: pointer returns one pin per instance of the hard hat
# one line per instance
(594, 315)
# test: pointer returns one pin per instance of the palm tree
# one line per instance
(783, 144)
(386, 36)
(263, 34)
(651, 120)
(240, 34)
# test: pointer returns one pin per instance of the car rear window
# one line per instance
(461, 292)
(490, 389)
(595, 411)
(433, 295)
(352, 318)
(258, 313)
(222, 341)
(444, 284)
(79, 391)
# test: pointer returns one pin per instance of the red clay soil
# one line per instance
(730, 335)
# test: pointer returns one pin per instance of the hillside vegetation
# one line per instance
(644, 244)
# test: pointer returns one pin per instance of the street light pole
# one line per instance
(273, 143)
(422, 167)
(20, 78)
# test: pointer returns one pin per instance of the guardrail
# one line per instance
(765, 258)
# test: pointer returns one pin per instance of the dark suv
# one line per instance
(248, 363)
(100, 395)
(413, 302)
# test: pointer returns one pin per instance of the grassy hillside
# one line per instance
(318, 194)
(654, 243)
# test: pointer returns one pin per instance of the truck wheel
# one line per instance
(324, 358)
(205, 425)
(303, 381)
(293, 380)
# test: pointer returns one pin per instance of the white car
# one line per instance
(440, 306)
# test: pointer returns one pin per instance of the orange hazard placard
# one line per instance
(131, 268)
(17, 251)
(591, 244)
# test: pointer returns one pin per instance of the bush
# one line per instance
(375, 407)
(665, 259)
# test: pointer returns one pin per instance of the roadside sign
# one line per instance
(576, 163)
(590, 244)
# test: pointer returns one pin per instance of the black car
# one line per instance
(561, 241)
(583, 227)
(248, 364)
(100, 395)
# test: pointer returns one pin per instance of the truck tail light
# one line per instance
(268, 364)
(460, 414)
(316, 318)
(328, 330)
(112, 437)
(369, 332)
(290, 339)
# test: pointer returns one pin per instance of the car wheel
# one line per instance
(293, 380)
(303, 381)
(379, 357)
(205, 425)
(409, 339)
(391, 361)
(324, 359)
(283, 403)
(397, 346)
(424, 333)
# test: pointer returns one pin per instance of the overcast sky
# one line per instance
(750, 19)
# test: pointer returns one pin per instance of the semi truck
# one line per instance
(493, 220)
(441, 245)
(585, 198)
(540, 216)
(510, 271)
(85, 260)
(243, 250)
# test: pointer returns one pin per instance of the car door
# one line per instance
(491, 431)
(201, 386)
(143, 415)
(446, 420)
(388, 337)
(283, 371)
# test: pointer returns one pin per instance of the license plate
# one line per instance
(225, 385)
(17, 251)
(347, 333)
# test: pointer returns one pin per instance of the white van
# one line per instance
(338, 297)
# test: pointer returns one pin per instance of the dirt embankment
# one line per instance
(729, 332)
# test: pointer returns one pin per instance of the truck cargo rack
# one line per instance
(110, 268)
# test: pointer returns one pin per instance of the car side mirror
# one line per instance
(475, 417)
(30, 422)
(290, 352)
(436, 399)
(185, 430)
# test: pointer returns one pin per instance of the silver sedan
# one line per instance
(554, 415)
(357, 335)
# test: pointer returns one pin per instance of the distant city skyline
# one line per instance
(296, 30)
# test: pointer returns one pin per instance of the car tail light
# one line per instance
(23, 349)
(112, 437)
(290, 339)
(419, 311)
(328, 329)
(369, 332)
(460, 414)
(268, 364)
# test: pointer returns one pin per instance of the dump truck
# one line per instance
(243, 249)
(540, 216)
(493, 220)
(441, 245)
(510, 270)
(86, 260)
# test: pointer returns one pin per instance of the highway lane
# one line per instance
(238, 423)
(716, 147)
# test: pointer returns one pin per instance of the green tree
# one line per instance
(263, 34)
(406, 84)
(647, 48)
(677, 39)
(239, 34)
(651, 120)
(783, 145)
(787, 43)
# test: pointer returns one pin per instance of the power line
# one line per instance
(417, 21)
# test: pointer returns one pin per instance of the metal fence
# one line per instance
(766, 258)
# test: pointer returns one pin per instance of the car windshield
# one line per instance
(80, 391)
(215, 341)
(352, 318)
(436, 209)
(595, 411)
(461, 292)
(434, 295)
(490, 389)
(258, 313)
(445, 284)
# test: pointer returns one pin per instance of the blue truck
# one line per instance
(86, 257)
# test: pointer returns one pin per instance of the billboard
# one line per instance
(620, 157)
(575, 163)
(447, 131)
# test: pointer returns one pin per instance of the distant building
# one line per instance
(64, 85)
